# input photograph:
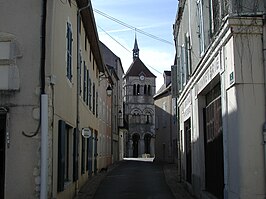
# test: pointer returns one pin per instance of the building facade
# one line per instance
(165, 122)
(116, 71)
(220, 68)
(50, 65)
(139, 88)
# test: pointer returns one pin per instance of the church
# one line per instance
(139, 89)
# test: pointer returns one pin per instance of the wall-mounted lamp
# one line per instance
(109, 90)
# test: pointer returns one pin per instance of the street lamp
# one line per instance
(109, 90)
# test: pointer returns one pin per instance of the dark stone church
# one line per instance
(139, 89)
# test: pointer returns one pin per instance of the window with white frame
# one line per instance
(183, 65)
(188, 55)
(69, 51)
(200, 27)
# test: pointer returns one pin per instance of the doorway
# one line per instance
(2, 153)
(187, 126)
(135, 139)
(147, 142)
(213, 141)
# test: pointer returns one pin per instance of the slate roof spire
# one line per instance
(136, 49)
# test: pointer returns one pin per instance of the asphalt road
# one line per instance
(134, 180)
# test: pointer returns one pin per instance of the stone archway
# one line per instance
(147, 143)
(135, 139)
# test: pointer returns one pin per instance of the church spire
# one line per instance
(136, 49)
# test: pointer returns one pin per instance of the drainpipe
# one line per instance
(264, 62)
(44, 110)
(78, 77)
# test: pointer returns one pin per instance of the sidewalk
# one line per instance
(171, 178)
(170, 172)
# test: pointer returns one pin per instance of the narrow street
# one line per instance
(135, 179)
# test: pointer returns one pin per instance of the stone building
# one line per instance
(139, 88)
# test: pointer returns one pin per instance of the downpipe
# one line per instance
(44, 146)
(264, 125)
(44, 109)
(78, 77)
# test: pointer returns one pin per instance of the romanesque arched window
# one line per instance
(134, 89)
(149, 90)
(145, 89)
(138, 89)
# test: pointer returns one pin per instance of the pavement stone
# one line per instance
(88, 190)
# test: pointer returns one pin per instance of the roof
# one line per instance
(167, 72)
(138, 67)
(163, 90)
(91, 30)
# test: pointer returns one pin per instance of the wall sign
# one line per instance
(209, 74)
(86, 132)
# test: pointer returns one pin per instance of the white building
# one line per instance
(220, 67)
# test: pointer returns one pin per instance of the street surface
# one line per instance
(135, 180)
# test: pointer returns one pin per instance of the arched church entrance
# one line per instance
(147, 142)
(135, 139)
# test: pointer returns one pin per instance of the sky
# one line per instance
(155, 17)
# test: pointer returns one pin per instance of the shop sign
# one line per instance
(209, 74)
(187, 107)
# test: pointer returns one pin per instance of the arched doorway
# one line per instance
(147, 141)
(135, 139)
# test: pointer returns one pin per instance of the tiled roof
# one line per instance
(137, 67)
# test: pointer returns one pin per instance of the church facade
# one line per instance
(139, 88)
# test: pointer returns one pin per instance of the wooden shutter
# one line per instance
(61, 155)
(75, 155)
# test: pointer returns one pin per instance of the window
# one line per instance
(200, 26)
(80, 73)
(90, 95)
(180, 75)
(188, 55)
(66, 155)
(145, 89)
(85, 42)
(66, 144)
(134, 89)
(138, 89)
(85, 84)
(148, 119)
(88, 87)
(82, 155)
(69, 51)
(149, 90)
(184, 65)
(96, 104)
(215, 16)
(93, 98)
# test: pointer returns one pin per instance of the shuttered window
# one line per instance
(69, 51)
